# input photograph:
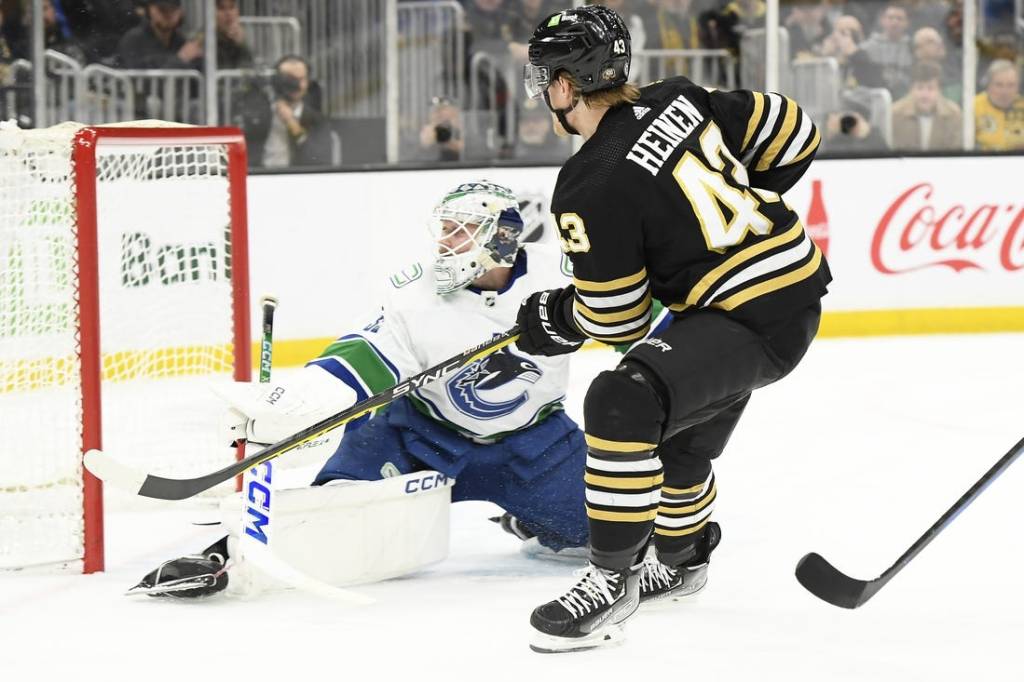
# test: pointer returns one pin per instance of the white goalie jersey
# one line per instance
(416, 328)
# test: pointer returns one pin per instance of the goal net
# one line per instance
(123, 292)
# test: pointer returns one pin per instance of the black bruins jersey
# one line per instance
(677, 198)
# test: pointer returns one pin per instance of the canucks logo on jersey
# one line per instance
(494, 386)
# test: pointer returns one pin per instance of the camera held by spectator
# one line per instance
(441, 135)
(286, 86)
(849, 130)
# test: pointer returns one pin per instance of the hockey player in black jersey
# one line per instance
(674, 196)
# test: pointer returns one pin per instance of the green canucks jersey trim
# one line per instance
(362, 359)
(406, 276)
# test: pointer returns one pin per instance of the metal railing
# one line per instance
(232, 84)
(16, 91)
(62, 93)
(270, 38)
(493, 84)
(815, 86)
(753, 46)
(125, 94)
(711, 68)
(350, 71)
(64, 76)
(431, 57)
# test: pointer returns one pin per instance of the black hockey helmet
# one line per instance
(589, 42)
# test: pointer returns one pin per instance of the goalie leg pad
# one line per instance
(353, 532)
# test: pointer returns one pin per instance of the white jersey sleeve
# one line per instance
(417, 328)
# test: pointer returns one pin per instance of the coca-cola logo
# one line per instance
(917, 232)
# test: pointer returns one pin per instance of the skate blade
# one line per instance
(609, 635)
(689, 596)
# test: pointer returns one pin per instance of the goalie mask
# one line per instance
(475, 228)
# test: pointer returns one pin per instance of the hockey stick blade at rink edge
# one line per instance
(110, 470)
(828, 583)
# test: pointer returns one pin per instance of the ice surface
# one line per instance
(853, 456)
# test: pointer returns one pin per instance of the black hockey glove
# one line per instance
(545, 319)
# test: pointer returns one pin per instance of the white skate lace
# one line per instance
(655, 575)
(593, 590)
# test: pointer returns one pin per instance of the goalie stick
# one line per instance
(828, 583)
(110, 470)
(257, 551)
(268, 304)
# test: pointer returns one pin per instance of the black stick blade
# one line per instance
(828, 583)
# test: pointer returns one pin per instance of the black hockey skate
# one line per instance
(658, 581)
(590, 614)
(190, 576)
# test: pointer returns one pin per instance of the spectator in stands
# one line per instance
(671, 25)
(856, 67)
(441, 136)
(6, 53)
(999, 110)
(924, 120)
(296, 133)
(890, 49)
(157, 43)
(57, 34)
(808, 25)
(929, 46)
(487, 27)
(521, 23)
(725, 27)
(14, 36)
(954, 24)
(849, 130)
(232, 50)
(488, 31)
(99, 25)
(537, 140)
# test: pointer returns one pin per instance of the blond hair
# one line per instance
(627, 93)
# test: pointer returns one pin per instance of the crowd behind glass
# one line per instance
(878, 77)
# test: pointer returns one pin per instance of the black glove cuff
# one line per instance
(564, 320)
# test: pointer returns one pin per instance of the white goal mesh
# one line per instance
(171, 316)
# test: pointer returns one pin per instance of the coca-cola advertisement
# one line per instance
(816, 219)
(921, 230)
(918, 233)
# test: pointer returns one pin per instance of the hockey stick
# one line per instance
(268, 305)
(828, 583)
(110, 470)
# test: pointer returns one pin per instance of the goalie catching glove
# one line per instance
(268, 413)
(547, 327)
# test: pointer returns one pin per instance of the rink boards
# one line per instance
(916, 245)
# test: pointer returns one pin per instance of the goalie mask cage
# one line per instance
(123, 291)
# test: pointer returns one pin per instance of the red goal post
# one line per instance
(123, 287)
